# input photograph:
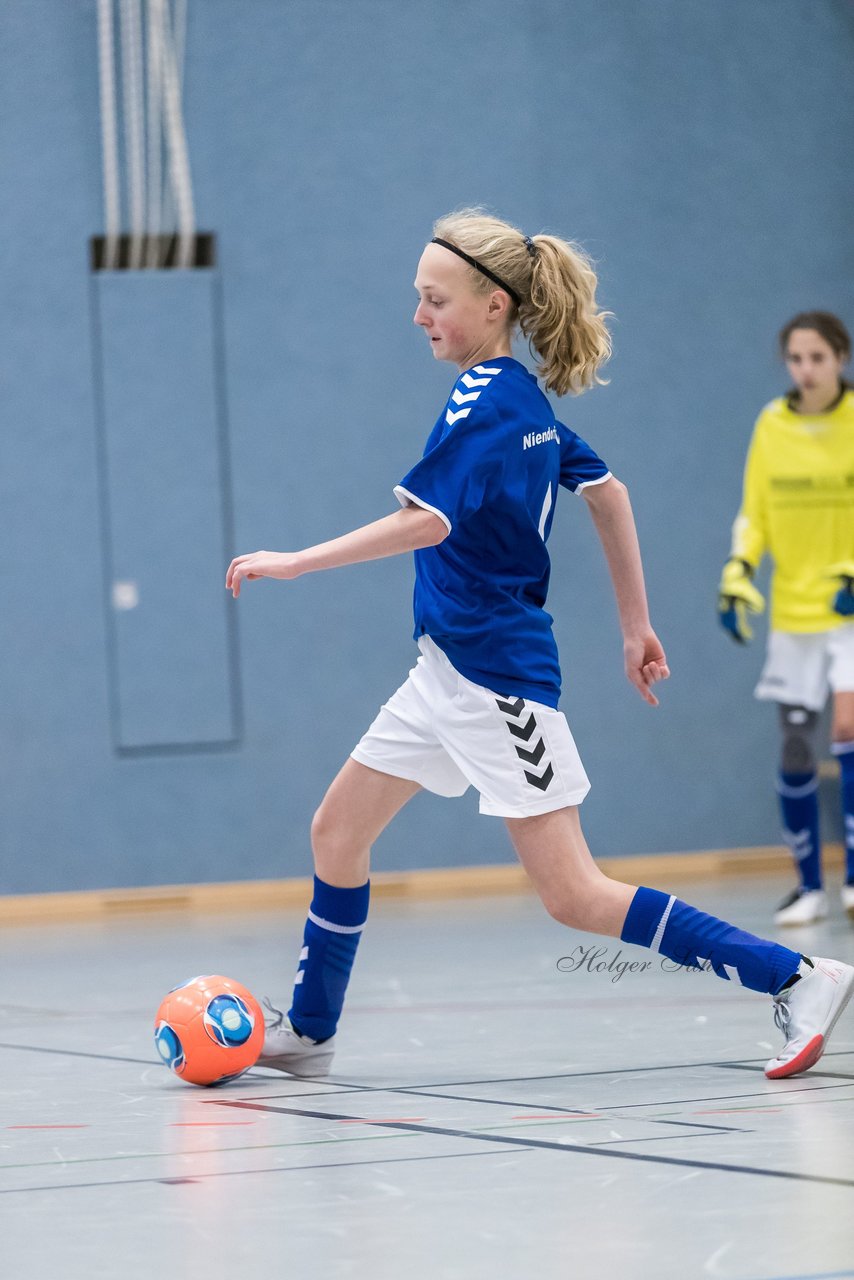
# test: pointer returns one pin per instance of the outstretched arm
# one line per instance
(612, 515)
(405, 530)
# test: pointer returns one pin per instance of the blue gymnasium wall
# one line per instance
(701, 152)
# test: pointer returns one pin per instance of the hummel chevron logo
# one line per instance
(511, 708)
(459, 398)
(485, 368)
(534, 754)
(542, 782)
(523, 731)
(532, 757)
(730, 973)
(451, 417)
(800, 843)
(468, 381)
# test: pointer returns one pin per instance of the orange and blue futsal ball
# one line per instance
(209, 1030)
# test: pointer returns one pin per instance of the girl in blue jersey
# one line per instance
(480, 706)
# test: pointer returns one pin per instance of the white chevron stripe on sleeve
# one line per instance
(451, 417)
(544, 514)
(484, 368)
(662, 924)
(459, 398)
(468, 381)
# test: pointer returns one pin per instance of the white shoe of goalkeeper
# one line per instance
(807, 1013)
(285, 1050)
(802, 906)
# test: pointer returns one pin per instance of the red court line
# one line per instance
(48, 1126)
(732, 1111)
(561, 1115)
(206, 1124)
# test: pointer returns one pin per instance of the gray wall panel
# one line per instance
(166, 508)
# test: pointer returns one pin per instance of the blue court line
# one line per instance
(545, 1145)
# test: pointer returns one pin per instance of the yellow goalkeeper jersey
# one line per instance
(798, 506)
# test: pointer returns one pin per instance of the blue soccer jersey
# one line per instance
(490, 471)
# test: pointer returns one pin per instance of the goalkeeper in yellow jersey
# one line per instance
(798, 506)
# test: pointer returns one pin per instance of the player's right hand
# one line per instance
(261, 564)
(737, 597)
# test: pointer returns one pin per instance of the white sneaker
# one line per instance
(802, 906)
(847, 896)
(807, 1012)
(285, 1050)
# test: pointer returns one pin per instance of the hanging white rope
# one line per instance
(134, 109)
(109, 136)
(152, 116)
(154, 131)
(179, 26)
(179, 160)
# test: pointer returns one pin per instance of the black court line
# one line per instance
(416, 1092)
(542, 1144)
(78, 1053)
(730, 1097)
(832, 1075)
(610, 1071)
(422, 1091)
(598, 1114)
(816, 1275)
(741, 1064)
(657, 1137)
(241, 1173)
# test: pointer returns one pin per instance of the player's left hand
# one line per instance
(645, 663)
(843, 601)
(261, 564)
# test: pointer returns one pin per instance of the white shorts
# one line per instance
(448, 734)
(801, 669)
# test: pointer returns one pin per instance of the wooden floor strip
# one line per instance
(656, 870)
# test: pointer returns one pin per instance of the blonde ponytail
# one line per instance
(556, 284)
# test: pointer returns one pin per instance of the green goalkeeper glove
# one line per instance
(737, 597)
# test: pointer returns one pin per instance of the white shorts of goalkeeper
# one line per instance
(448, 734)
(802, 668)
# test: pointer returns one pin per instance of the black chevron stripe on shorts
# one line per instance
(522, 724)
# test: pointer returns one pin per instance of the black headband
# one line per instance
(478, 266)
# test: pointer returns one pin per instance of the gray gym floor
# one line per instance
(489, 1116)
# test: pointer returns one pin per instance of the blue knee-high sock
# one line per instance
(690, 937)
(335, 921)
(845, 751)
(798, 794)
